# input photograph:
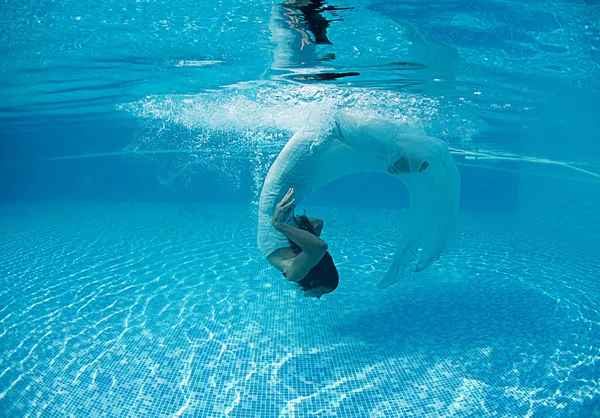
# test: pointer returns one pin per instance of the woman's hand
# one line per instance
(284, 208)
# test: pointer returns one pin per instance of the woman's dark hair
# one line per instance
(323, 274)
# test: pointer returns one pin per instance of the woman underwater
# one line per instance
(354, 143)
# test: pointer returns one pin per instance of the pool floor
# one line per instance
(117, 309)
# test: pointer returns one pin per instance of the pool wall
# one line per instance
(567, 205)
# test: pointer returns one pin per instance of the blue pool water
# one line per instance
(134, 141)
(150, 310)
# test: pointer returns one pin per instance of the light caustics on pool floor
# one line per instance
(139, 310)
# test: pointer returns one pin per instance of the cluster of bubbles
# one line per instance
(240, 129)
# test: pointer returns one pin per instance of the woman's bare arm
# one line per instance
(313, 247)
(313, 250)
(308, 242)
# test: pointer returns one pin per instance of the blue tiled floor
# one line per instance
(156, 310)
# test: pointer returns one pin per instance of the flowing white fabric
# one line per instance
(359, 143)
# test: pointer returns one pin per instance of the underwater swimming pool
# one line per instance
(160, 310)
(135, 138)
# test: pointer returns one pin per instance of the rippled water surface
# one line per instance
(509, 77)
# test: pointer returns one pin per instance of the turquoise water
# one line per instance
(134, 140)
(150, 310)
